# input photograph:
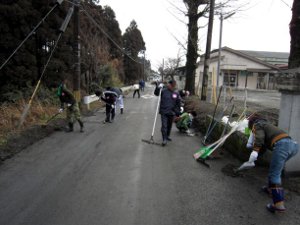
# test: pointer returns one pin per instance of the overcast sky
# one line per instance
(263, 26)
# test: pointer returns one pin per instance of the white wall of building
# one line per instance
(229, 62)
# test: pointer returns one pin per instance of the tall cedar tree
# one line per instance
(133, 44)
(294, 60)
(193, 15)
(17, 19)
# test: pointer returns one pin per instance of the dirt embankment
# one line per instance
(41, 121)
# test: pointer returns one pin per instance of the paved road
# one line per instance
(107, 176)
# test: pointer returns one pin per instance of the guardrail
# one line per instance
(87, 100)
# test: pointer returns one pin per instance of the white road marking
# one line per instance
(147, 96)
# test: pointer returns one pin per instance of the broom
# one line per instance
(151, 140)
(49, 120)
(206, 151)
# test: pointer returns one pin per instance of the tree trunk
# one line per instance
(207, 51)
(294, 59)
(192, 49)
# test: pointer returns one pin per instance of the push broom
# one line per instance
(151, 140)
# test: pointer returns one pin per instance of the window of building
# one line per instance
(230, 78)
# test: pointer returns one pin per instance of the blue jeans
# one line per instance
(283, 150)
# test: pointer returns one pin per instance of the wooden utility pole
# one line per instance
(208, 49)
(162, 71)
(76, 52)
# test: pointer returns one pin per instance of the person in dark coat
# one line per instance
(283, 147)
(142, 85)
(169, 108)
(109, 97)
(73, 112)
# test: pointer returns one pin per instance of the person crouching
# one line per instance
(184, 122)
(283, 148)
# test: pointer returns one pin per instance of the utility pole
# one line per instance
(76, 52)
(220, 45)
(162, 71)
(207, 52)
(219, 53)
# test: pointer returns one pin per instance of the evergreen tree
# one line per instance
(134, 44)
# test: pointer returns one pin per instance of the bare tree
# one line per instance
(195, 10)
(169, 66)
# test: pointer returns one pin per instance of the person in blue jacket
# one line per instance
(169, 108)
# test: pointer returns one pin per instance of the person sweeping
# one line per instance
(73, 113)
(283, 147)
(169, 108)
(109, 97)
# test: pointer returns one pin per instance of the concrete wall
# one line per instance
(289, 121)
(180, 83)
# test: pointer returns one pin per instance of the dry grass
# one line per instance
(10, 116)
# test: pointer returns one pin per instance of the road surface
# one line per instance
(107, 176)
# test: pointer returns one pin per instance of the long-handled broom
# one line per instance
(151, 140)
(214, 114)
(50, 119)
(206, 151)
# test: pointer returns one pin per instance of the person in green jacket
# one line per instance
(73, 112)
(283, 147)
(184, 121)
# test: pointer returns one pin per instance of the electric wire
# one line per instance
(27, 107)
(107, 35)
(29, 35)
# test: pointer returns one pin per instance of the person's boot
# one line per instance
(278, 200)
(169, 139)
(107, 119)
(112, 118)
(122, 110)
(164, 143)
(71, 127)
(81, 126)
(266, 189)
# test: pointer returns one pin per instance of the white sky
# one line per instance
(263, 26)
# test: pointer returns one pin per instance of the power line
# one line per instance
(107, 35)
(62, 30)
(286, 4)
(27, 107)
(31, 33)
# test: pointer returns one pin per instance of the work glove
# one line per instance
(161, 85)
(253, 156)
(112, 106)
(176, 119)
(250, 141)
(60, 110)
(69, 105)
